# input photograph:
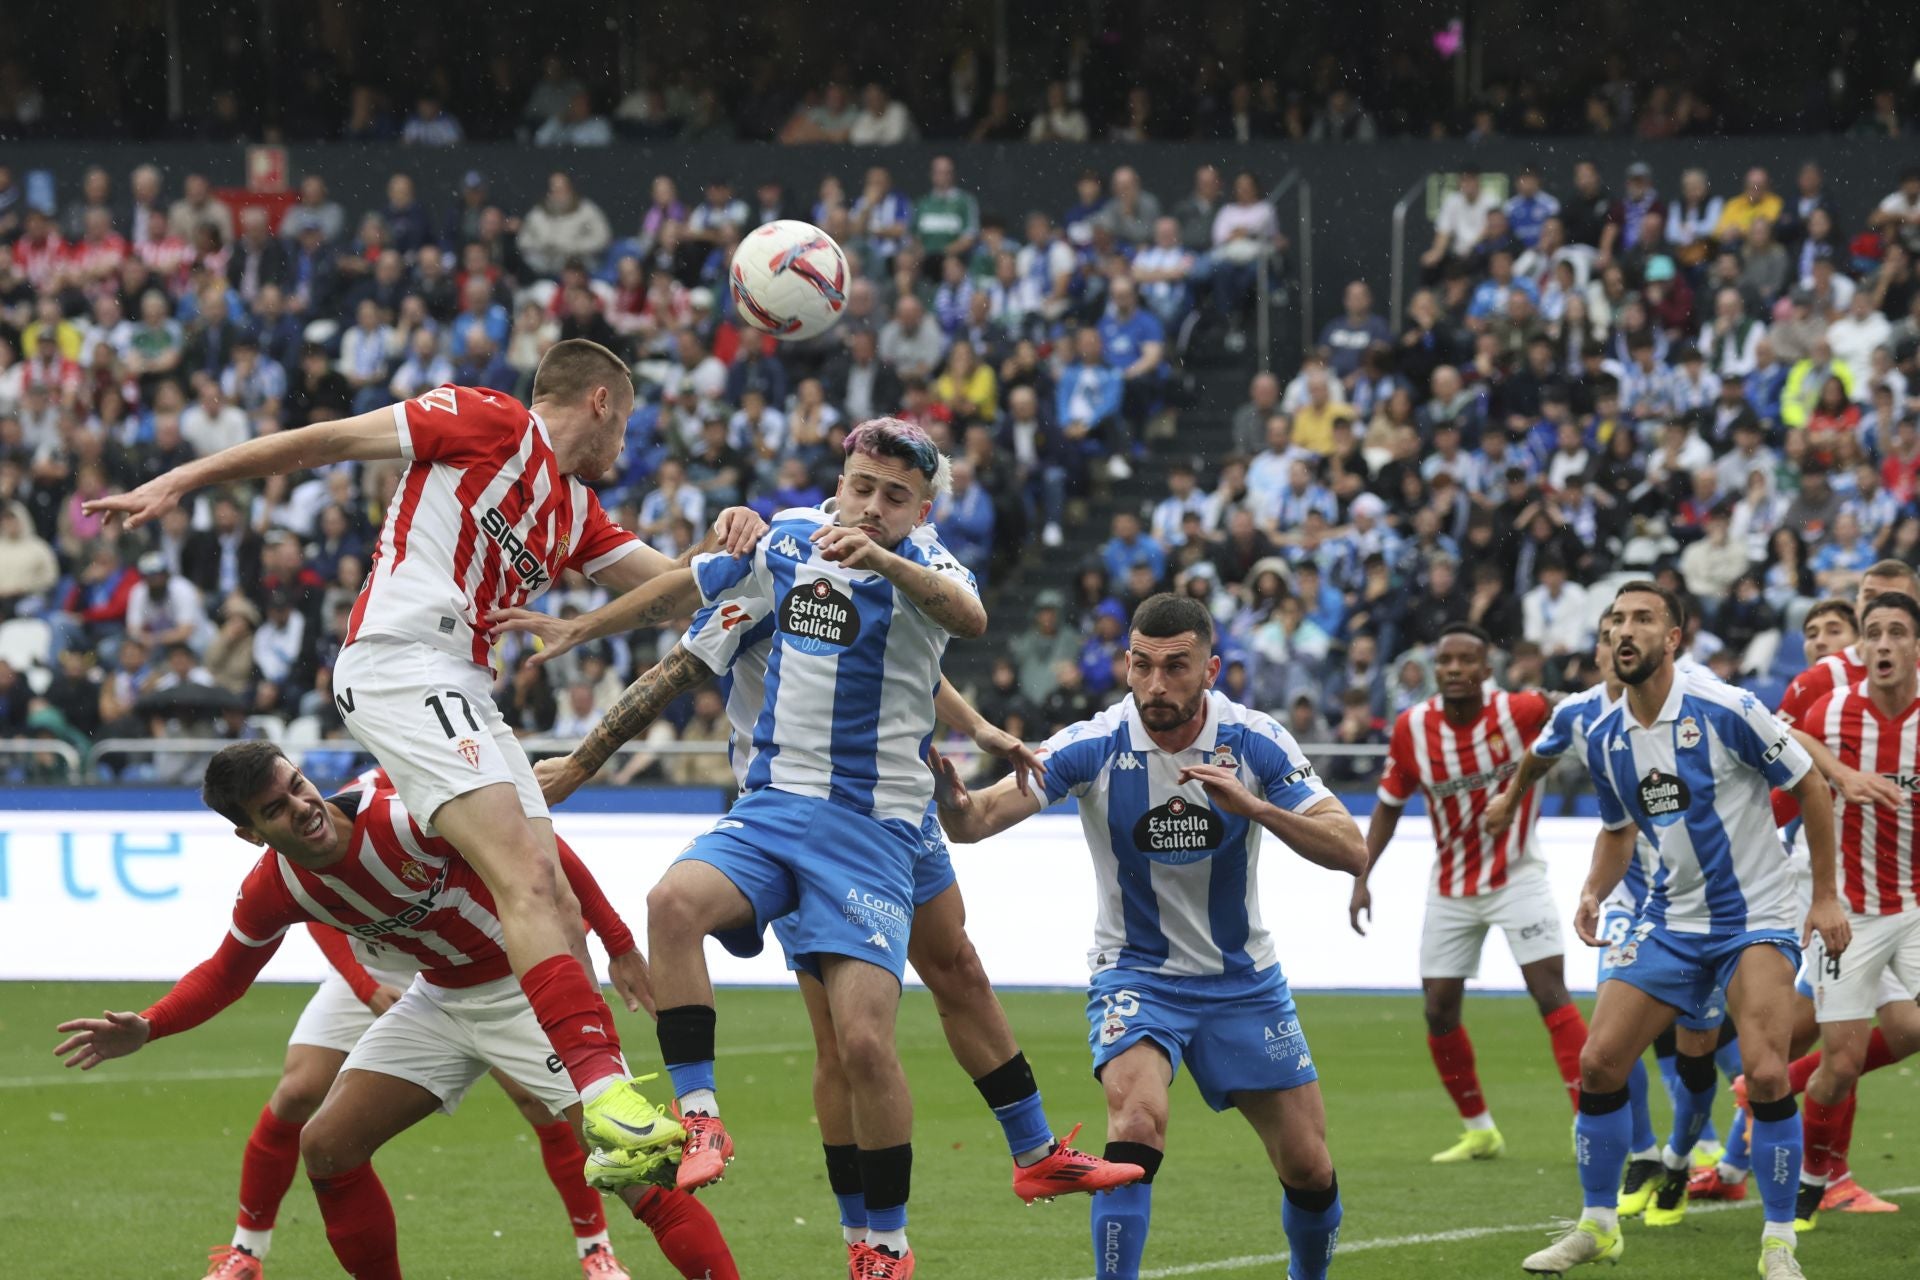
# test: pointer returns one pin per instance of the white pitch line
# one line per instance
(1248, 1261)
(193, 1074)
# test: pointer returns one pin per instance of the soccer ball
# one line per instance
(789, 279)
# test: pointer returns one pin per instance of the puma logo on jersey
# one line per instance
(789, 548)
(1128, 760)
(440, 398)
(526, 565)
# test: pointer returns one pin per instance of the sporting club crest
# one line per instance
(469, 751)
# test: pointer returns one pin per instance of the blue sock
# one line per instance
(853, 1209)
(1693, 1103)
(1120, 1219)
(1776, 1156)
(1025, 1124)
(688, 1076)
(1737, 1157)
(1312, 1232)
(1727, 1058)
(1670, 1077)
(892, 1218)
(1709, 1132)
(1603, 1129)
(1637, 1108)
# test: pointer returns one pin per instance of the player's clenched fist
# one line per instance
(559, 778)
(848, 546)
(93, 1040)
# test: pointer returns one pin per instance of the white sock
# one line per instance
(1651, 1153)
(1026, 1159)
(1482, 1121)
(701, 1100)
(894, 1240)
(1778, 1231)
(853, 1235)
(1673, 1159)
(589, 1243)
(1605, 1219)
(603, 1085)
(1730, 1175)
(254, 1242)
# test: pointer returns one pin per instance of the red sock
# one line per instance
(1568, 1031)
(1843, 1137)
(566, 1165)
(1801, 1070)
(1823, 1128)
(575, 1018)
(1453, 1055)
(273, 1157)
(1878, 1054)
(688, 1237)
(359, 1220)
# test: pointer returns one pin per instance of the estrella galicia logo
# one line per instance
(1664, 798)
(817, 618)
(1178, 832)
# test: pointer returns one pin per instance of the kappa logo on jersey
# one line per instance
(1688, 734)
(1664, 798)
(1178, 832)
(789, 548)
(469, 751)
(1127, 760)
(880, 940)
(819, 618)
(440, 398)
(526, 566)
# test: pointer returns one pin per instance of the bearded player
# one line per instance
(491, 509)
(358, 862)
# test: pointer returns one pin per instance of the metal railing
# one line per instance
(1292, 181)
(31, 747)
(1397, 277)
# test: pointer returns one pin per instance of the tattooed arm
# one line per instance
(941, 598)
(628, 717)
(670, 595)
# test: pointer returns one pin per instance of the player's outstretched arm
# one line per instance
(1828, 916)
(1325, 835)
(1500, 809)
(962, 716)
(969, 818)
(670, 595)
(1854, 786)
(629, 716)
(368, 437)
(211, 986)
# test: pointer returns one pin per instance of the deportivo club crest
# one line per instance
(1688, 734)
(1223, 757)
(469, 751)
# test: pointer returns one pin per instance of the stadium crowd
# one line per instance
(1716, 383)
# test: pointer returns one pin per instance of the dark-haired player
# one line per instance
(1688, 762)
(490, 510)
(359, 863)
(1458, 748)
(1176, 785)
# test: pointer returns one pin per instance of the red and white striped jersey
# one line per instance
(396, 888)
(1879, 875)
(1840, 670)
(482, 519)
(1461, 768)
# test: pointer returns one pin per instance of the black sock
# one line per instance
(1602, 1104)
(1139, 1153)
(1666, 1044)
(843, 1169)
(1696, 1073)
(1010, 1082)
(1778, 1109)
(886, 1174)
(686, 1033)
(1728, 1034)
(1313, 1201)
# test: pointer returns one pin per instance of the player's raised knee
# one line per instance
(672, 909)
(324, 1151)
(296, 1098)
(1602, 1070)
(954, 974)
(865, 1049)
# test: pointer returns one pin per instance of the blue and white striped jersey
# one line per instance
(845, 703)
(1177, 880)
(1697, 785)
(1567, 731)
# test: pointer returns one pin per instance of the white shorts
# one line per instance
(1880, 966)
(1456, 928)
(429, 718)
(443, 1039)
(335, 1018)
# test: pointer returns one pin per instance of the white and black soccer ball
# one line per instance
(789, 279)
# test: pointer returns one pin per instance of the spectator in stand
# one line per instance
(882, 217)
(576, 124)
(1855, 336)
(1359, 327)
(563, 226)
(1557, 616)
(430, 125)
(1244, 231)
(1757, 201)
(1693, 219)
(1529, 207)
(1164, 271)
(1059, 120)
(1460, 224)
(1130, 211)
(964, 515)
(882, 122)
(911, 345)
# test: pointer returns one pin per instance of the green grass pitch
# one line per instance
(133, 1173)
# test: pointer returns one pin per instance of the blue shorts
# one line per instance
(1236, 1033)
(845, 877)
(1614, 927)
(932, 876)
(1689, 971)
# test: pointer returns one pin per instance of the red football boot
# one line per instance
(1065, 1171)
(708, 1151)
(876, 1263)
(1707, 1184)
(229, 1263)
(598, 1263)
